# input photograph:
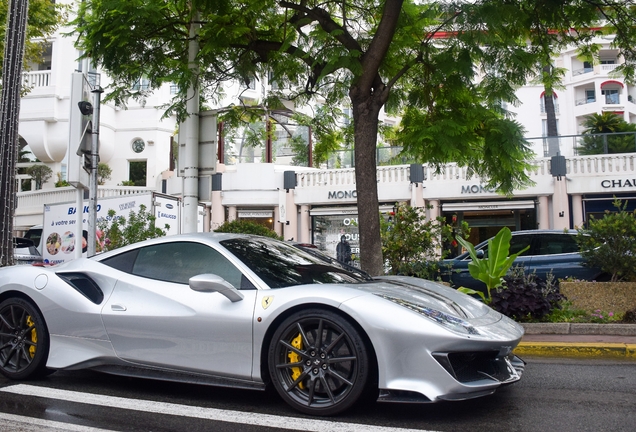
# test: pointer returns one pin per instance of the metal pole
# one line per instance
(191, 162)
(92, 210)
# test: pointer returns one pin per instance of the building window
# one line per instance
(137, 173)
(142, 84)
(138, 145)
(555, 101)
(590, 96)
(544, 127)
(347, 115)
(611, 96)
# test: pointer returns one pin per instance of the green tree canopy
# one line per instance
(447, 66)
(607, 133)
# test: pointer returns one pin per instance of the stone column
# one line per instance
(217, 211)
(305, 225)
(544, 212)
(577, 210)
(560, 206)
(291, 226)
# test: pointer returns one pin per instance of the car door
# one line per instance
(154, 318)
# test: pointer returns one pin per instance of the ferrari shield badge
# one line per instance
(267, 301)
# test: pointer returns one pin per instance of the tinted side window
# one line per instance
(550, 244)
(178, 262)
(518, 242)
(123, 262)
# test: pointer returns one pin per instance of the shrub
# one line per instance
(525, 297)
(240, 226)
(116, 232)
(610, 243)
(412, 244)
(629, 317)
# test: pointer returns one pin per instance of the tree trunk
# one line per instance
(551, 129)
(9, 121)
(365, 123)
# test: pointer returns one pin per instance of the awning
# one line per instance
(612, 82)
(553, 94)
(488, 205)
(334, 211)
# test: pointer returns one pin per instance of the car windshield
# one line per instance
(280, 265)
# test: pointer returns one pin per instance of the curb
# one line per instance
(579, 349)
(610, 349)
(580, 329)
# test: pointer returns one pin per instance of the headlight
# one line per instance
(448, 321)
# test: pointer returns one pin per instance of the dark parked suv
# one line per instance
(550, 251)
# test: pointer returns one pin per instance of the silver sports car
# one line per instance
(245, 311)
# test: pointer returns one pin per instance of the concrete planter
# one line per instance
(616, 297)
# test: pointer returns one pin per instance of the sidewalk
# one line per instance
(616, 341)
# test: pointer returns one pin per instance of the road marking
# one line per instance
(16, 423)
(241, 417)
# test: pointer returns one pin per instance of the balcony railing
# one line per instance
(608, 67)
(36, 79)
(587, 144)
(585, 101)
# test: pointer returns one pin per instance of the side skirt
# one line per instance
(175, 376)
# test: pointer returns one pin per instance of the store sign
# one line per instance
(618, 183)
(475, 189)
(255, 214)
(352, 194)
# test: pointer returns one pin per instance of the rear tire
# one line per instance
(24, 340)
(318, 362)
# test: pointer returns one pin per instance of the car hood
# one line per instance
(432, 295)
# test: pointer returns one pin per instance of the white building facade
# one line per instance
(318, 205)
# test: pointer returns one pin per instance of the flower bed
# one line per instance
(617, 297)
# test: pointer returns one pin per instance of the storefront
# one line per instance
(330, 224)
(261, 216)
(596, 204)
(486, 218)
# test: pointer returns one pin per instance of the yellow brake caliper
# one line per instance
(34, 336)
(297, 343)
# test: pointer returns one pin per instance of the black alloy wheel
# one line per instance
(318, 362)
(24, 340)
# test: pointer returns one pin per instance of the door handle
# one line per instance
(117, 308)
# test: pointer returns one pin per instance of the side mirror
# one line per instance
(480, 253)
(212, 283)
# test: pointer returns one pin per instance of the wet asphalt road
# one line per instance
(554, 394)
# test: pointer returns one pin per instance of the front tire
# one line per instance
(318, 362)
(24, 340)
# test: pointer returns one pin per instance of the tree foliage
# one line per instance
(447, 66)
(44, 18)
(40, 173)
(114, 232)
(103, 173)
(610, 242)
(607, 133)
